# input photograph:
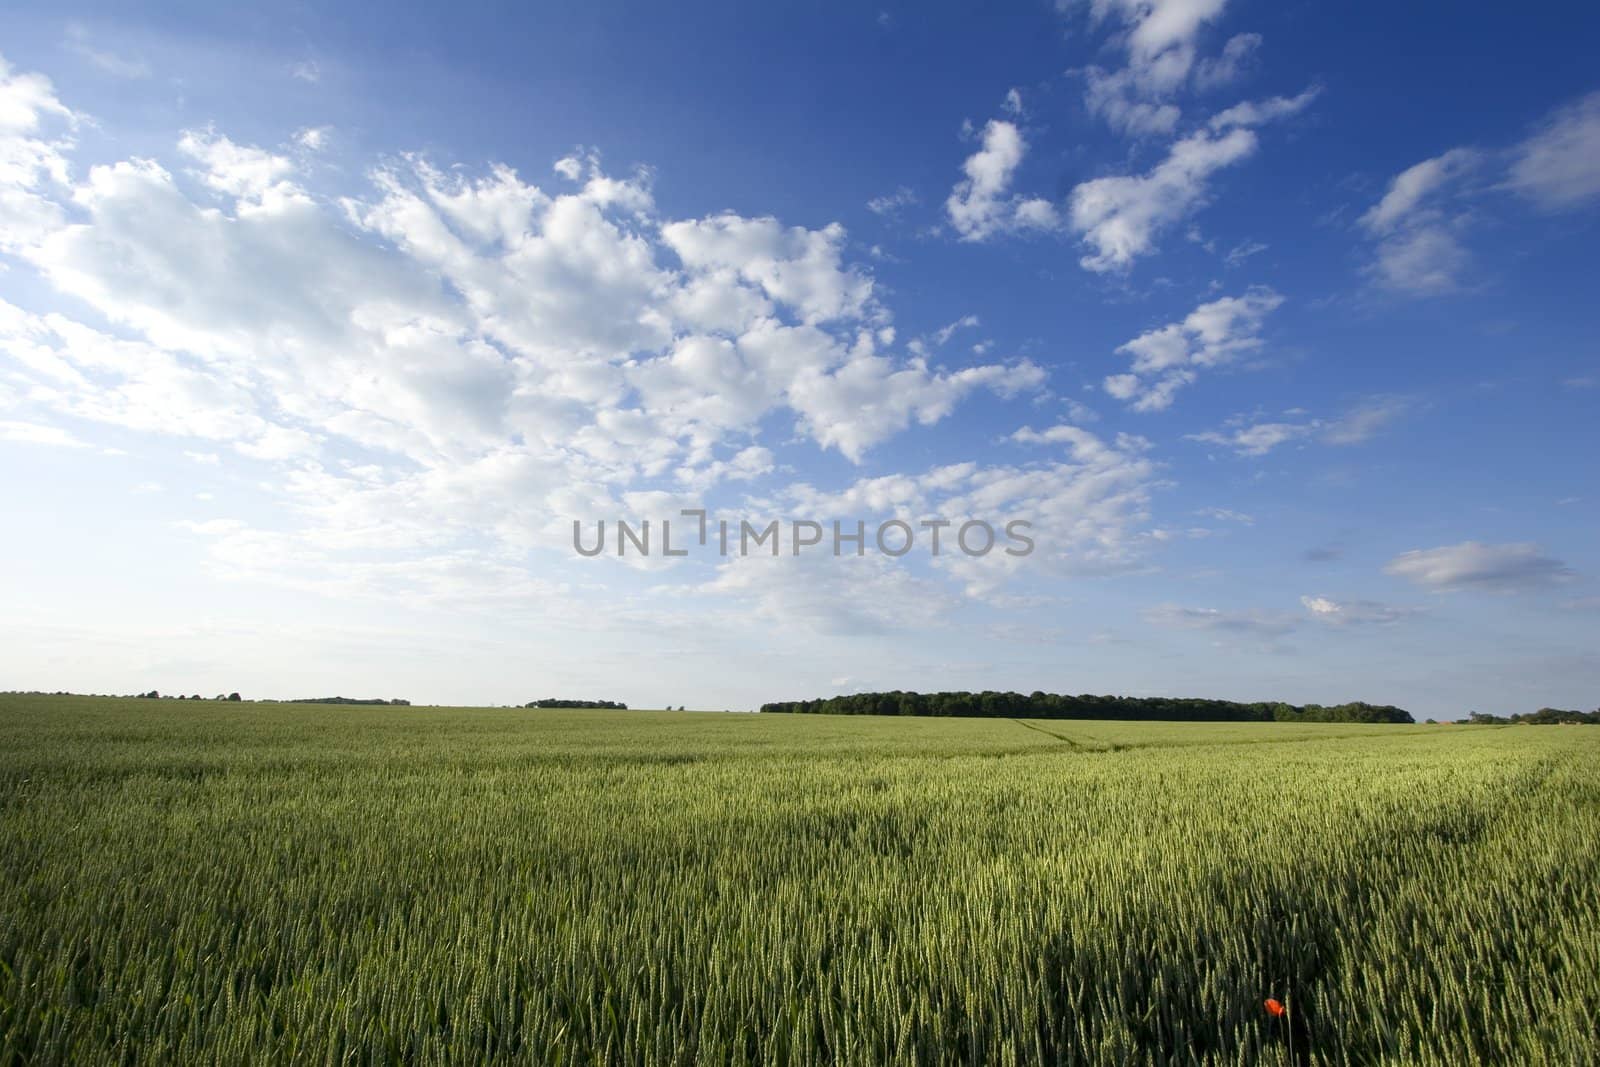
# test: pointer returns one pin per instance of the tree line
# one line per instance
(555, 702)
(1041, 705)
(1542, 717)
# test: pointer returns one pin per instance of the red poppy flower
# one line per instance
(1274, 1007)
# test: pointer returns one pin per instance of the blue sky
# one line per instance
(1276, 321)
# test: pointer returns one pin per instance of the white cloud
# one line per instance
(1242, 252)
(870, 398)
(1227, 515)
(981, 205)
(1365, 420)
(1418, 250)
(1558, 167)
(892, 203)
(1113, 96)
(313, 138)
(1167, 358)
(1120, 217)
(1475, 565)
(443, 364)
(1087, 507)
(306, 70)
(1354, 612)
(33, 164)
(1258, 112)
(1084, 510)
(1421, 261)
(1012, 104)
(1356, 426)
(1158, 37)
(1228, 67)
(794, 266)
(1155, 27)
(1256, 440)
(1083, 444)
(1408, 190)
(1418, 225)
(241, 171)
(944, 333)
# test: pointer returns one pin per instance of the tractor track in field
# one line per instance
(1051, 733)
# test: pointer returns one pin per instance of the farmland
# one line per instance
(216, 882)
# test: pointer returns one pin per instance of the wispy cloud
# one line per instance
(104, 60)
(1475, 565)
(1255, 437)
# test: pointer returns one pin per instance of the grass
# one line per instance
(228, 883)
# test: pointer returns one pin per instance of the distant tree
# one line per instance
(234, 697)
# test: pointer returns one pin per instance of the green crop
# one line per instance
(233, 883)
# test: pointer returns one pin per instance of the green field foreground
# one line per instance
(204, 882)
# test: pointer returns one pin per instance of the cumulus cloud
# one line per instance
(795, 266)
(871, 398)
(1167, 358)
(981, 205)
(444, 362)
(1120, 217)
(241, 171)
(1087, 506)
(1158, 38)
(1475, 565)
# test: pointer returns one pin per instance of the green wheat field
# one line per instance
(204, 882)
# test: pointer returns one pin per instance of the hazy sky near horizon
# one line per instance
(1277, 322)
